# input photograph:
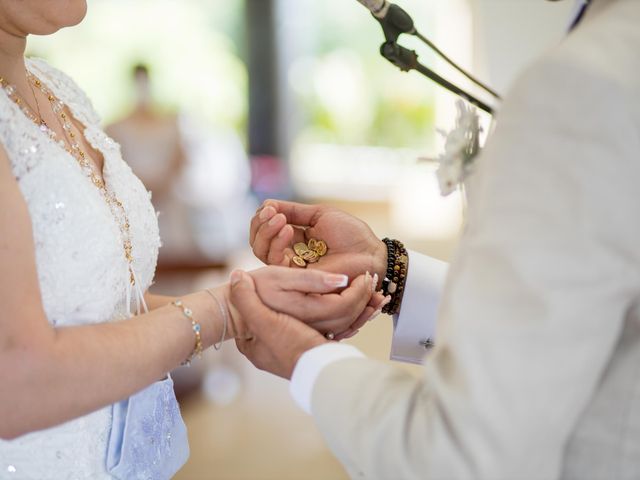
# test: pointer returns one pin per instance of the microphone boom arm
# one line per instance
(407, 60)
(397, 22)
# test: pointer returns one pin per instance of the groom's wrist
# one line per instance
(311, 364)
(379, 261)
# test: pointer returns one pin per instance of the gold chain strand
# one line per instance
(11, 91)
(43, 124)
(72, 146)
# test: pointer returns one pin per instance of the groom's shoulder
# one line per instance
(604, 48)
(596, 67)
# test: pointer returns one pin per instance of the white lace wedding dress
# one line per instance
(82, 270)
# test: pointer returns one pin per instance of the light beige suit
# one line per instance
(537, 369)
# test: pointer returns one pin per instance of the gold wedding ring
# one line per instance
(309, 252)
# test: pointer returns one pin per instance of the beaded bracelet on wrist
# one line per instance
(396, 276)
(195, 326)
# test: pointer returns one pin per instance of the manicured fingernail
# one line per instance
(337, 281)
(235, 277)
(385, 302)
(351, 335)
(374, 284)
(375, 314)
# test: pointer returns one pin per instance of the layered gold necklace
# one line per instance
(70, 143)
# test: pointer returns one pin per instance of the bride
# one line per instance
(82, 389)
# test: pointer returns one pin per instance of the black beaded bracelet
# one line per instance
(396, 277)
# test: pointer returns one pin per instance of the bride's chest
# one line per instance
(79, 252)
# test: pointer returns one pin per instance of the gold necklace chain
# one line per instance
(11, 92)
(35, 98)
(72, 146)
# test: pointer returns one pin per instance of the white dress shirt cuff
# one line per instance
(310, 365)
(415, 326)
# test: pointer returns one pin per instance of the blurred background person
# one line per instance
(151, 142)
(179, 162)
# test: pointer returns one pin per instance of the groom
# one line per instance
(534, 373)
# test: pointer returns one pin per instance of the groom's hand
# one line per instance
(353, 247)
(277, 340)
(313, 297)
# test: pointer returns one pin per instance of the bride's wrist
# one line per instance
(234, 328)
(223, 323)
(222, 318)
(219, 325)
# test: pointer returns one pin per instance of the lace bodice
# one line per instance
(82, 271)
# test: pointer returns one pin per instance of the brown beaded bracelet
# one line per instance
(396, 277)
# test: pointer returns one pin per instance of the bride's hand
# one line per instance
(317, 298)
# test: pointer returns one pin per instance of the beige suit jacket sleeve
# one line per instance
(534, 303)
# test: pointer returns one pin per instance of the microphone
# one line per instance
(395, 22)
(379, 8)
(393, 19)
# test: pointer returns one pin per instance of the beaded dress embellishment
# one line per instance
(72, 146)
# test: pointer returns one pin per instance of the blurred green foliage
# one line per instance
(343, 91)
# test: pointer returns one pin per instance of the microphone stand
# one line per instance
(397, 22)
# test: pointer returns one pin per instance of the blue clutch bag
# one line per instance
(148, 439)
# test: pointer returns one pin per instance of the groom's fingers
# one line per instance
(265, 235)
(296, 213)
(246, 347)
(247, 303)
(279, 249)
(263, 215)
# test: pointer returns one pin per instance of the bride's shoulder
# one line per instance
(65, 88)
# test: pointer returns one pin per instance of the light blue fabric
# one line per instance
(148, 439)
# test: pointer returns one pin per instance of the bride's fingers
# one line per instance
(289, 281)
(331, 312)
(341, 328)
(364, 317)
(265, 235)
(347, 334)
(377, 300)
(372, 310)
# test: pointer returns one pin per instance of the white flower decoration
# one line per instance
(462, 145)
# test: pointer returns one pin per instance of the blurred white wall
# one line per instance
(495, 40)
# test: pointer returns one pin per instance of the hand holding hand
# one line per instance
(353, 247)
(278, 340)
(313, 297)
